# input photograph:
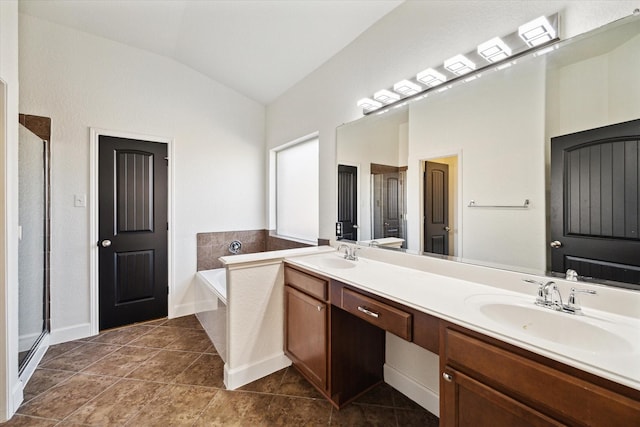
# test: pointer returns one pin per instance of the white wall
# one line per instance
(83, 81)
(10, 391)
(496, 117)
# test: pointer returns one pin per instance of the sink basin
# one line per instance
(578, 332)
(336, 263)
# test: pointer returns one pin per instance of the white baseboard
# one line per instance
(182, 310)
(234, 378)
(423, 396)
(70, 333)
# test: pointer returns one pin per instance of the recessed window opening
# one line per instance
(297, 189)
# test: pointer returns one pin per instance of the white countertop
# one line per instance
(449, 299)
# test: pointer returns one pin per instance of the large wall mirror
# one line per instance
(466, 172)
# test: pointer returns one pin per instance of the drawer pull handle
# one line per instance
(447, 377)
(368, 312)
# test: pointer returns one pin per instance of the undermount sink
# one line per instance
(579, 332)
(335, 262)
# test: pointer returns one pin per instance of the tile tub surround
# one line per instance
(160, 373)
(214, 245)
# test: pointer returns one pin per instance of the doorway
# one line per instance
(595, 195)
(132, 226)
(348, 201)
(389, 204)
(439, 205)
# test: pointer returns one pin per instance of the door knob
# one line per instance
(355, 225)
(447, 228)
(555, 244)
(105, 243)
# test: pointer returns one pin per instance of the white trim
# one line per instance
(423, 396)
(93, 218)
(70, 333)
(234, 378)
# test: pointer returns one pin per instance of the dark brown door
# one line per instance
(436, 208)
(348, 201)
(132, 231)
(594, 203)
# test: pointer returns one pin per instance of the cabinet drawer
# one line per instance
(382, 315)
(551, 391)
(307, 283)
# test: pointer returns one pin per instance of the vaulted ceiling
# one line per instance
(259, 48)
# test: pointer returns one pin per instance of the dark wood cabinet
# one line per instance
(340, 354)
(306, 339)
(486, 382)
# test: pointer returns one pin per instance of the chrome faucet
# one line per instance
(349, 252)
(549, 297)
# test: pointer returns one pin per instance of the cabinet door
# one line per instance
(306, 335)
(468, 402)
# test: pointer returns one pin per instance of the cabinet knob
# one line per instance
(447, 377)
(320, 308)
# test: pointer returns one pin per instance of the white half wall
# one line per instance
(84, 81)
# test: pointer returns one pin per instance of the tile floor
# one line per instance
(167, 373)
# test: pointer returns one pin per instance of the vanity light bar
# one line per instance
(501, 51)
(386, 96)
(368, 105)
(494, 50)
(459, 65)
(537, 32)
(431, 77)
(407, 88)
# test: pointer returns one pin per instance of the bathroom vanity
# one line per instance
(337, 313)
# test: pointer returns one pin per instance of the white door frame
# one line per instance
(94, 308)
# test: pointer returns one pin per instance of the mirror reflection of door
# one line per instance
(595, 195)
(439, 205)
(388, 201)
(348, 201)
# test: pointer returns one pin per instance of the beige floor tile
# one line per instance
(42, 380)
(207, 370)
(298, 411)
(59, 349)
(159, 337)
(177, 405)
(117, 404)
(121, 362)
(294, 384)
(80, 357)
(191, 340)
(61, 400)
(236, 409)
(122, 336)
(190, 322)
(164, 366)
(268, 384)
(26, 421)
